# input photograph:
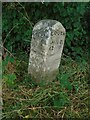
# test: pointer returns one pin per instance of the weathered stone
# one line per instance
(46, 49)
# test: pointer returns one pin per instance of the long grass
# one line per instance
(27, 100)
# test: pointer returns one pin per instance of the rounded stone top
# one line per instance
(49, 24)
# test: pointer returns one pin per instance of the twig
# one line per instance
(26, 17)
(8, 51)
(63, 113)
(60, 112)
(9, 33)
(68, 57)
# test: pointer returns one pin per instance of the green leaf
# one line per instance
(11, 59)
(10, 79)
(61, 100)
(64, 81)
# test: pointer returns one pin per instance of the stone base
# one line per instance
(44, 78)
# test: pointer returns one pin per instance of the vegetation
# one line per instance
(67, 97)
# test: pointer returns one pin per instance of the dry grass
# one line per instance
(43, 101)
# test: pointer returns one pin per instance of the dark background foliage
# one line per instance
(19, 19)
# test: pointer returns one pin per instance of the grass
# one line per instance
(24, 99)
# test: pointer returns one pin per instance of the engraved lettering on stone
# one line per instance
(46, 49)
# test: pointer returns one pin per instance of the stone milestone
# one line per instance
(46, 49)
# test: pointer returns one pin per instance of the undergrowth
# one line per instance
(66, 97)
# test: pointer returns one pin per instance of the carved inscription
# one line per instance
(46, 49)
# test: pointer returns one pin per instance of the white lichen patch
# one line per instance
(57, 26)
(38, 26)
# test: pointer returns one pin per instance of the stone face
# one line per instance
(46, 49)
